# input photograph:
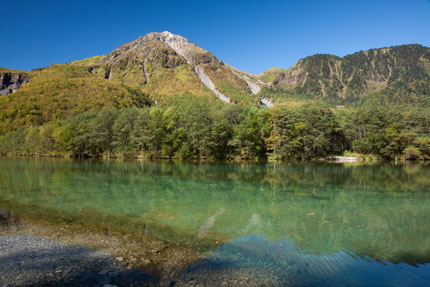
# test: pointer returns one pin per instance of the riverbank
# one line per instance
(39, 254)
(29, 260)
(159, 259)
(347, 157)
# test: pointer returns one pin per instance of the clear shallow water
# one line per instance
(308, 224)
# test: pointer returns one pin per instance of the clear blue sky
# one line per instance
(250, 35)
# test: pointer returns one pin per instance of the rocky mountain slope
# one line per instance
(386, 70)
(149, 70)
(163, 64)
(157, 67)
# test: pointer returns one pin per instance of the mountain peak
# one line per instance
(165, 37)
(192, 53)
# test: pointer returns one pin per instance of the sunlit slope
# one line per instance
(160, 67)
(61, 91)
(153, 68)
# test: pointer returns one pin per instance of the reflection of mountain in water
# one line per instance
(281, 261)
(379, 212)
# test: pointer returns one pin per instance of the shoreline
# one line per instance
(29, 260)
(150, 255)
(38, 254)
(360, 158)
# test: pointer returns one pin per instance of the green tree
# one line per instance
(250, 134)
(101, 131)
(123, 128)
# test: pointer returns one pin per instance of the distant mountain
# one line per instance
(389, 71)
(159, 66)
(163, 64)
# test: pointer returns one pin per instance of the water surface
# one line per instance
(305, 224)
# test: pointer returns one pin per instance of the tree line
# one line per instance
(200, 130)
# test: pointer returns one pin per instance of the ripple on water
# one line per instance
(283, 262)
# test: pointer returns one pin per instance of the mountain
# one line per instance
(387, 71)
(148, 70)
(158, 67)
(59, 92)
(163, 64)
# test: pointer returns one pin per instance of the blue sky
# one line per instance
(250, 35)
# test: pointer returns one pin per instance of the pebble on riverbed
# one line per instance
(34, 261)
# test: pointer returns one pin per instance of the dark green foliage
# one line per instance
(193, 128)
(422, 144)
(399, 74)
(306, 132)
(123, 128)
(387, 131)
(74, 135)
(250, 133)
(400, 92)
(101, 129)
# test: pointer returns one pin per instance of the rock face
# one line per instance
(267, 102)
(195, 56)
(137, 60)
(191, 52)
(209, 84)
(11, 82)
(165, 50)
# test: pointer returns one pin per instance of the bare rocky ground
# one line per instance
(41, 254)
(211, 273)
(28, 260)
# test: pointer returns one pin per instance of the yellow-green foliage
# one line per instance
(134, 77)
(4, 70)
(124, 71)
(181, 80)
(271, 74)
(293, 103)
(47, 100)
(61, 72)
(89, 61)
(190, 100)
(286, 98)
(230, 85)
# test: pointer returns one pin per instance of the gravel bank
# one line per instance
(27, 260)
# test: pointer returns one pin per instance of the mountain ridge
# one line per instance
(162, 96)
(160, 65)
(356, 75)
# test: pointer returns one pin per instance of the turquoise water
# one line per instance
(310, 224)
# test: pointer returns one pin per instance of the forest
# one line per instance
(195, 128)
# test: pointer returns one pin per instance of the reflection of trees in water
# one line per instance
(321, 208)
(388, 176)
